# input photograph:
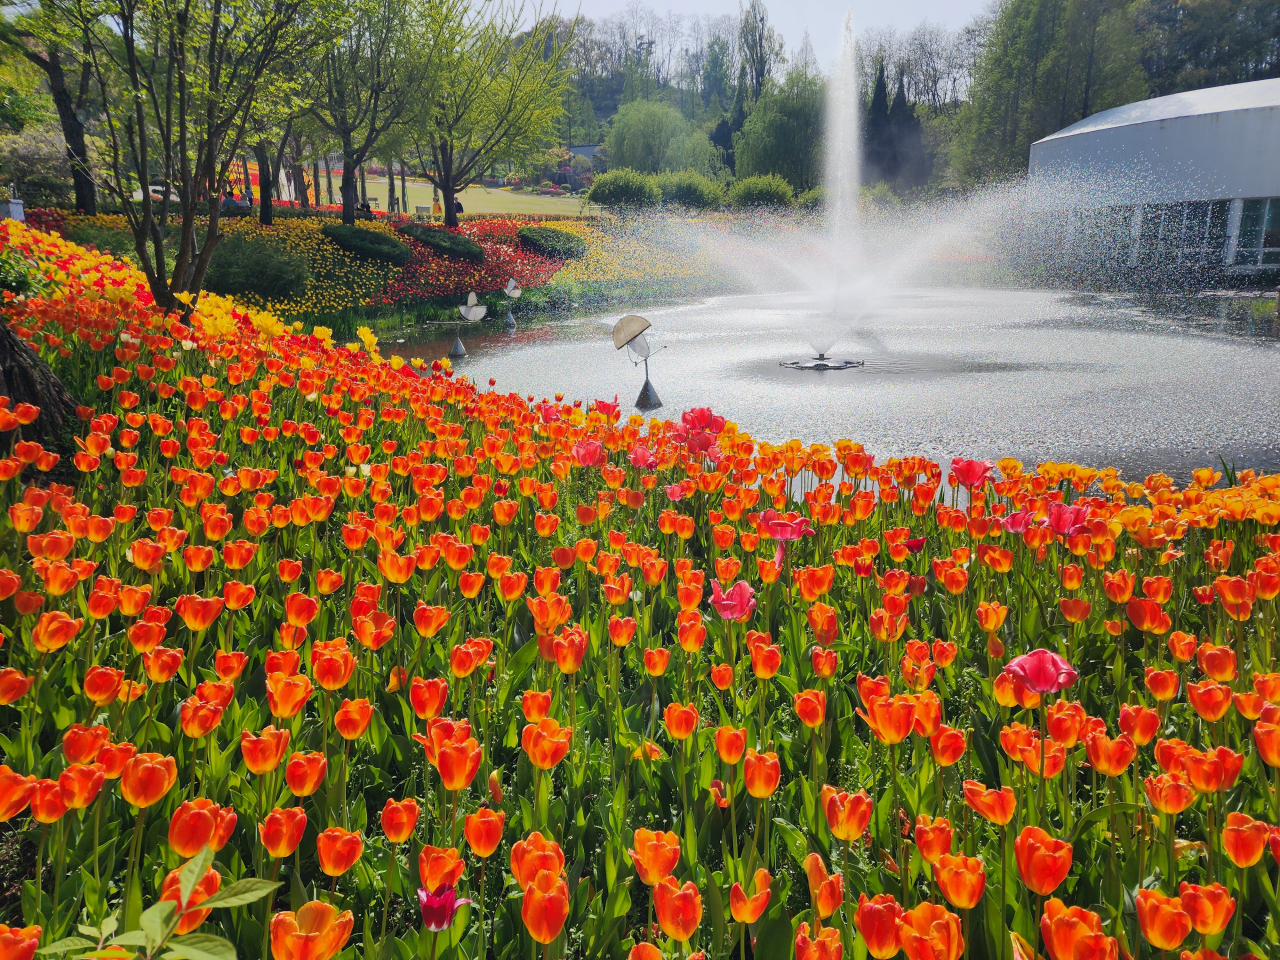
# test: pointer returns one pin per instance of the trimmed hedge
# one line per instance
(443, 241)
(368, 244)
(765, 191)
(812, 199)
(624, 188)
(691, 189)
(550, 242)
(240, 265)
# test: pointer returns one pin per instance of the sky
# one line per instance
(822, 18)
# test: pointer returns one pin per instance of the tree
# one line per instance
(498, 95)
(784, 133)
(51, 43)
(178, 81)
(715, 72)
(879, 159)
(762, 47)
(913, 164)
(643, 132)
(376, 77)
(1190, 45)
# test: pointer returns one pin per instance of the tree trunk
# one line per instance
(26, 378)
(264, 182)
(448, 195)
(348, 192)
(328, 177)
(72, 132)
(404, 191)
(315, 179)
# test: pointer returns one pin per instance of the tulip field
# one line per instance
(312, 653)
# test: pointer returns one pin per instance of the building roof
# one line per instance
(1258, 94)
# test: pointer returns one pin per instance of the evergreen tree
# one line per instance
(913, 162)
(879, 159)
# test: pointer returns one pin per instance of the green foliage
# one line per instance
(19, 275)
(37, 162)
(368, 244)
(761, 191)
(551, 242)
(245, 263)
(624, 188)
(643, 132)
(1050, 64)
(783, 134)
(443, 241)
(812, 199)
(691, 189)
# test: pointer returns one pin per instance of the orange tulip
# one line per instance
(1169, 793)
(679, 908)
(47, 805)
(824, 945)
(1140, 723)
(545, 907)
(1110, 757)
(19, 943)
(439, 867)
(332, 663)
(428, 620)
(113, 757)
(458, 762)
(1209, 907)
(16, 792)
(948, 746)
(282, 830)
(1163, 922)
(80, 744)
(933, 837)
(316, 932)
(263, 753)
(1063, 927)
(304, 773)
(1163, 684)
(146, 778)
(338, 850)
(54, 631)
(199, 718)
(200, 823)
(1209, 699)
(761, 773)
(399, 817)
(730, 744)
(681, 721)
(1043, 861)
(847, 813)
(890, 718)
(877, 919)
(826, 892)
(930, 932)
(189, 917)
(483, 830)
(535, 704)
(1267, 737)
(961, 879)
(80, 783)
(534, 855)
(352, 718)
(1244, 839)
(749, 909)
(546, 743)
(654, 855)
(101, 685)
(198, 613)
(286, 695)
(428, 697)
(811, 708)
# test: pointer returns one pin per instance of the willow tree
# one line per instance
(179, 80)
(498, 95)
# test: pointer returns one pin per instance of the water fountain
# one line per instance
(843, 180)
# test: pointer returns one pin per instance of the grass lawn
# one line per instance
(480, 199)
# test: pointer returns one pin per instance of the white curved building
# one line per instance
(1195, 178)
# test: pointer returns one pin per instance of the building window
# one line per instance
(1258, 243)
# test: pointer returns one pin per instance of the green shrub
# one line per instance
(553, 243)
(812, 199)
(444, 241)
(764, 191)
(245, 264)
(19, 275)
(624, 188)
(691, 189)
(367, 244)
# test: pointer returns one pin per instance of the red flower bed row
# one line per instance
(430, 274)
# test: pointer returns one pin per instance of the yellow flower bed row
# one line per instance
(622, 258)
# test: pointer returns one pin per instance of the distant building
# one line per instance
(1185, 182)
(590, 151)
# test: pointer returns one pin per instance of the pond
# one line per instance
(1139, 382)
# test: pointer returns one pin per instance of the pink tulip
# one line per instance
(641, 458)
(972, 473)
(589, 453)
(737, 603)
(777, 528)
(1042, 671)
(1067, 521)
(439, 909)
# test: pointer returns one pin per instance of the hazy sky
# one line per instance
(822, 18)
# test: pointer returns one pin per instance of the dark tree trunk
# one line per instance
(264, 182)
(348, 193)
(72, 127)
(448, 196)
(315, 179)
(26, 378)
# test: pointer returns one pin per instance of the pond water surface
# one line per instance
(1141, 383)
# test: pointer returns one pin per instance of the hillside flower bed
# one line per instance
(325, 655)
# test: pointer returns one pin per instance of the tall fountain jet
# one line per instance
(843, 180)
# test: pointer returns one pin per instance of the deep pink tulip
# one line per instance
(972, 473)
(1042, 671)
(736, 603)
(1067, 521)
(439, 909)
(589, 453)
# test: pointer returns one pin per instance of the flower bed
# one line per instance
(316, 629)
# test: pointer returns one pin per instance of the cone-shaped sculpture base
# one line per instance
(457, 351)
(510, 325)
(648, 399)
